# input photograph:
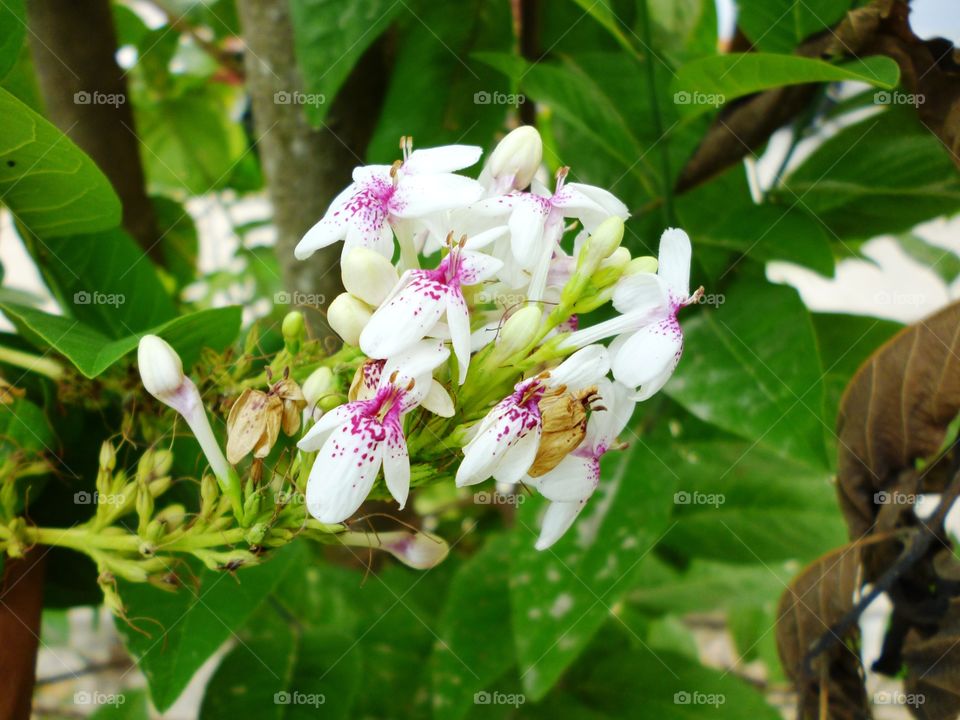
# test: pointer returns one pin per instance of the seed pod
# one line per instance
(293, 401)
(564, 419)
(253, 425)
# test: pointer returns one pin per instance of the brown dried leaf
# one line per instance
(932, 657)
(895, 411)
(815, 601)
(253, 420)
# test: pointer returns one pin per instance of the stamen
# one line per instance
(561, 177)
(395, 171)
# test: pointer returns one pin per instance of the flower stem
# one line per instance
(32, 363)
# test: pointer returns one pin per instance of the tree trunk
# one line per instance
(21, 604)
(73, 43)
(304, 167)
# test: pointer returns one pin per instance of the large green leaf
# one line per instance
(330, 36)
(755, 372)
(468, 656)
(560, 597)
(703, 85)
(781, 25)
(280, 670)
(92, 352)
(840, 183)
(105, 281)
(13, 27)
(172, 634)
(51, 186)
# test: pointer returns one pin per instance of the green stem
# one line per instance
(32, 363)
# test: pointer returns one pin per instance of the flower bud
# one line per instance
(348, 316)
(419, 550)
(368, 275)
(160, 369)
(612, 268)
(601, 243)
(144, 508)
(108, 456)
(644, 264)
(516, 158)
(519, 331)
(208, 496)
(162, 462)
(293, 328)
(320, 383)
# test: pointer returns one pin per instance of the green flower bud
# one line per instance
(600, 245)
(293, 329)
(162, 462)
(517, 333)
(644, 264)
(108, 456)
(611, 269)
(144, 505)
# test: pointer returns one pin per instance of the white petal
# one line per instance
(655, 384)
(674, 262)
(331, 228)
(443, 159)
(647, 353)
(574, 478)
(396, 464)
(589, 199)
(478, 267)
(372, 174)
(604, 425)
(438, 400)
(585, 367)
(405, 318)
(518, 459)
(419, 195)
(557, 520)
(498, 432)
(526, 231)
(417, 362)
(343, 473)
(635, 294)
(458, 319)
(316, 436)
(485, 238)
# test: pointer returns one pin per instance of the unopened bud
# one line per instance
(368, 275)
(612, 268)
(348, 316)
(601, 243)
(419, 550)
(144, 508)
(518, 332)
(644, 264)
(108, 456)
(162, 462)
(160, 369)
(293, 328)
(321, 382)
(516, 159)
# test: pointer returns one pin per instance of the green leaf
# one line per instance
(179, 243)
(173, 634)
(282, 671)
(705, 84)
(756, 373)
(13, 27)
(330, 36)
(475, 645)
(48, 182)
(105, 281)
(943, 261)
(560, 597)
(781, 25)
(839, 182)
(92, 352)
(129, 705)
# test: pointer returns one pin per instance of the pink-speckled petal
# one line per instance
(345, 469)
(315, 437)
(519, 457)
(419, 195)
(476, 267)
(396, 464)
(406, 318)
(499, 431)
(458, 320)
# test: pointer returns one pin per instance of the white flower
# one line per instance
(514, 161)
(385, 195)
(421, 299)
(356, 439)
(507, 439)
(650, 340)
(536, 222)
(571, 483)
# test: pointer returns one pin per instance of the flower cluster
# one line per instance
(464, 297)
